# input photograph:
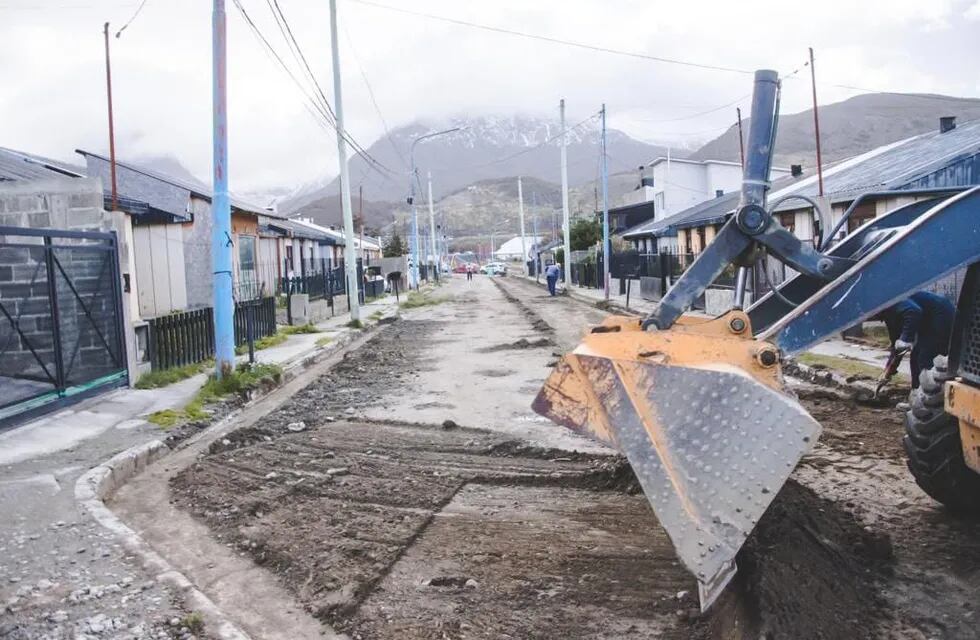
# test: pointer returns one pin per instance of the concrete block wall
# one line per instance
(65, 204)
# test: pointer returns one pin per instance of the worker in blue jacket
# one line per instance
(920, 324)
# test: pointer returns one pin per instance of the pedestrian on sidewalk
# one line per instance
(552, 272)
(469, 271)
(920, 324)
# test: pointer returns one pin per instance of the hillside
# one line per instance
(850, 127)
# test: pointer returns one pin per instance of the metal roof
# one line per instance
(709, 211)
(17, 165)
(906, 164)
(162, 200)
(894, 166)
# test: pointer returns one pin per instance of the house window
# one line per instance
(788, 221)
(247, 275)
(860, 216)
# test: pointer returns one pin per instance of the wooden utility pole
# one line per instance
(816, 123)
(112, 135)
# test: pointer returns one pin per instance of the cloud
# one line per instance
(52, 70)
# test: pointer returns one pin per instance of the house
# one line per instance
(171, 254)
(888, 176)
(680, 184)
(511, 250)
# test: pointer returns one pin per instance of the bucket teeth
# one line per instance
(710, 445)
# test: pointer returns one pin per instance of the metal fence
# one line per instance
(61, 327)
(187, 337)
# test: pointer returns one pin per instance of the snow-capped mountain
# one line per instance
(482, 148)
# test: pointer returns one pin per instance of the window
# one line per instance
(860, 216)
(247, 276)
(788, 221)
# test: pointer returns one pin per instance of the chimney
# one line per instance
(645, 179)
(796, 170)
(947, 123)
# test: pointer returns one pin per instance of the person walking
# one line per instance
(552, 273)
(469, 271)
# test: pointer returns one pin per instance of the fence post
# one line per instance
(249, 334)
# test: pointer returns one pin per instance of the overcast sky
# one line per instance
(52, 74)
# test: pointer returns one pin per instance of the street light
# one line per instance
(411, 200)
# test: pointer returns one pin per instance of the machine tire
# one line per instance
(932, 443)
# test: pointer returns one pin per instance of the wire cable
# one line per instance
(552, 40)
(130, 21)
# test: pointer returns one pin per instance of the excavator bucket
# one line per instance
(701, 414)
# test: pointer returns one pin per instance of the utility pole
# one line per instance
(816, 123)
(741, 142)
(221, 242)
(520, 208)
(350, 255)
(606, 244)
(565, 224)
(112, 135)
(535, 246)
(432, 226)
(413, 177)
(360, 217)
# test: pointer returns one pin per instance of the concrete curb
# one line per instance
(98, 484)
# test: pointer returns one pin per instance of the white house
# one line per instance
(680, 184)
(511, 250)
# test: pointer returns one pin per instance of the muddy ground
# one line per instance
(410, 493)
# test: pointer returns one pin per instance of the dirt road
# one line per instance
(410, 493)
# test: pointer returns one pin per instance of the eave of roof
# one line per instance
(196, 190)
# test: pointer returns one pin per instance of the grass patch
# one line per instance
(193, 621)
(263, 343)
(156, 379)
(245, 377)
(376, 315)
(324, 341)
(846, 366)
(302, 328)
(877, 334)
(418, 299)
(355, 324)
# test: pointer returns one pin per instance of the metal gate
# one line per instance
(61, 327)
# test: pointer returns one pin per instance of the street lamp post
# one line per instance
(411, 200)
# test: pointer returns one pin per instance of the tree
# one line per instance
(393, 246)
(585, 233)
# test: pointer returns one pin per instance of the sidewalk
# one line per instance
(592, 296)
(63, 575)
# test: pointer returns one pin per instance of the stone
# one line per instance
(338, 471)
(272, 475)
(58, 616)
(471, 584)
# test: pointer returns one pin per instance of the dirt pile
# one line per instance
(808, 571)
(517, 345)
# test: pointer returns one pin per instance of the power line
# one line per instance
(346, 134)
(130, 21)
(319, 103)
(570, 43)
(374, 100)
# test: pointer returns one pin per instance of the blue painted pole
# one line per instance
(606, 243)
(221, 242)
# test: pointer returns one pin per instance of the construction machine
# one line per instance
(700, 408)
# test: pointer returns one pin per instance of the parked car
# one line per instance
(494, 269)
